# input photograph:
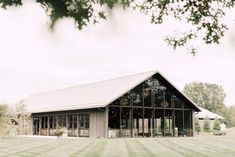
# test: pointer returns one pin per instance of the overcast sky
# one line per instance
(33, 59)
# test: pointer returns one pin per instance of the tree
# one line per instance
(203, 16)
(197, 126)
(3, 110)
(206, 125)
(206, 95)
(23, 119)
(211, 97)
(6, 123)
(216, 125)
(231, 110)
(229, 115)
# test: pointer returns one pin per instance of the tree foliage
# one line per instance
(3, 110)
(203, 15)
(3, 120)
(6, 124)
(23, 119)
(206, 95)
(229, 115)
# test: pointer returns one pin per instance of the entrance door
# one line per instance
(35, 125)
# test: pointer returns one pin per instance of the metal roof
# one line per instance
(206, 113)
(92, 95)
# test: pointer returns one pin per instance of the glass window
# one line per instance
(148, 122)
(84, 121)
(186, 106)
(114, 117)
(160, 94)
(147, 90)
(159, 98)
(178, 102)
(137, 122)
(44, 122)
(50, 122)
(168, 123)
(167, 99)
(188, 123)
(136, 94)
(55, 122)
(179, 123)
(125, 122)
(72, 121)
(150, 109)
(147, 97)
(84, 125)
(62, 120)
(158, 127)
(115, 103)
(124, 101)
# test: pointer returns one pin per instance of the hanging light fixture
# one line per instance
(124, 101)
(164, 104)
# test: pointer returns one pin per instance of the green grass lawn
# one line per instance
(203, 146)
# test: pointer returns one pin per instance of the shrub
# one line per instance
(59, 132)
(197, 126)
(206, 125)
(217, 126)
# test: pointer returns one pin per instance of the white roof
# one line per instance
(92, 95)
(207, 113)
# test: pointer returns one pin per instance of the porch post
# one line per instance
(173, 114)
(131, 117)
(77, 125)
(192, 121)
(106, 122)
(40, 124)
(31, 124)
(48, 125)
(153, 112)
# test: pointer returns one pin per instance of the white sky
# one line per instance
(33, 59)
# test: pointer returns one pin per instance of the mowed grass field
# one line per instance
(201, 146)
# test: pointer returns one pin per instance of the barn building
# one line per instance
(139, 105)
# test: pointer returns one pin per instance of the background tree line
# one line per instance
(211, 97)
